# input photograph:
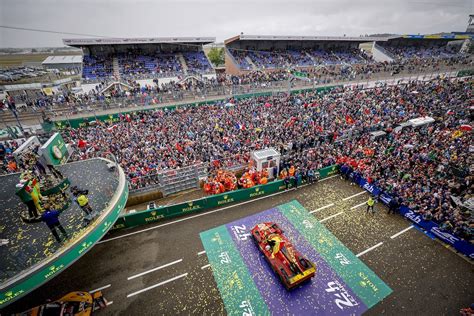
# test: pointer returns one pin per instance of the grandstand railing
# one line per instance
(170, 181)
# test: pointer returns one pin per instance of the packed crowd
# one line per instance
(8, 163)
(298, 58)
(155, 93)
(425, 52)
(416, 164)
(422, 168)
(160, 64)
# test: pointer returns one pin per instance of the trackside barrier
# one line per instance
(112, 118)
(457, 243)
(213, 201)
(466, 73)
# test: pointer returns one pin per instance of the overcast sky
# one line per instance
(225, 18)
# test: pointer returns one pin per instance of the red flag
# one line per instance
(81, 143)
(111, 128)
(349, 119)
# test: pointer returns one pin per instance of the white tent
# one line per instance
(266, 158)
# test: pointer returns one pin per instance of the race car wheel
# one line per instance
(304, 263)
(283, 276)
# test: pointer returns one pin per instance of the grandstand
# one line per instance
(408, 47)
(115, 59)
(251, 52)
(246, 53)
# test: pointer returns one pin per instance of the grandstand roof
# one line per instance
(71, 59)
(305, 38)
(80, 42)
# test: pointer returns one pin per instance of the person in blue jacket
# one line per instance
(51, 218)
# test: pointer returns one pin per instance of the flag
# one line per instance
(457, 134)
(111, 128)
(369, 151)
(81, 143)
(349, 119)
(240, 126)
(450, 112)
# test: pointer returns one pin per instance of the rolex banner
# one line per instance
(54, 150)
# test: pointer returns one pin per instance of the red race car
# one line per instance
(290, 266)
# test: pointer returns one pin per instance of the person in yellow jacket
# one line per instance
(82, 200)
(370, 205)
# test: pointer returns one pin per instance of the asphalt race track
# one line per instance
(162, 269)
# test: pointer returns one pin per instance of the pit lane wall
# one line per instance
(60, 261)
(112, 118)
(457, 243)
(213, 201)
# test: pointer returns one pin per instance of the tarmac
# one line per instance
(162, 269)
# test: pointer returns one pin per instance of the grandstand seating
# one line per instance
(197, 62)
(298, 58)
(160, 64)
(417, 51)
(142, 65)
(96, 67)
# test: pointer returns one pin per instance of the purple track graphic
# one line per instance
(310, 298)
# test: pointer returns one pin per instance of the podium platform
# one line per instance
(29, 253)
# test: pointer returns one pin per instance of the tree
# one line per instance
(216, 56)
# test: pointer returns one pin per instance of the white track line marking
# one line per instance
(336, 175)
(401, 232)
(369, 249)
(352, 196)
(154, 269)
(201, 252)
(325, 219)
(100, 288)
(157, 285)
(358, 205)
(110, 303)
(191, 217)
(206, 266)
(321, 208)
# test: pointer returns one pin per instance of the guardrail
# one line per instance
(213, 201)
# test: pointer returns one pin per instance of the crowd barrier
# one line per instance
(466, 73)
(213, 201)
(429, 226)
(112, 118)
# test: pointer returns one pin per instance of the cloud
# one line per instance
(225, 18)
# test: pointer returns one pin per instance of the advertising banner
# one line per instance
(218, 200)
(459, 244)
(54, 150)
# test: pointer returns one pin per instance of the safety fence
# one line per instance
(429, 226)
(213, 201)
